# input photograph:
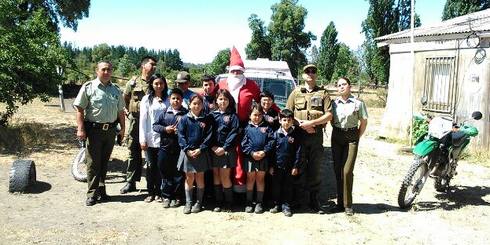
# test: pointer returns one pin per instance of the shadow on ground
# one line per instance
(456, 198)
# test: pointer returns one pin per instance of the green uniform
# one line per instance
(135, 89)
(101, 104)
(310, 105)
(345, 141)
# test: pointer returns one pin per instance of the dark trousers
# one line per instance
(172, 179)
(153, 174)
(282, 186)
(135, 163)
(99, 148)
(344, 153)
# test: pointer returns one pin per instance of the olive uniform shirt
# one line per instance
(309, 105)
(136, 89)
(346, 114)
(101, 103)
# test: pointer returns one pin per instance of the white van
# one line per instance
(273, 76)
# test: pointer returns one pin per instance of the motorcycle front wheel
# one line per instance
(78, 167)
(413, 183)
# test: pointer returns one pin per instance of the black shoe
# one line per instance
(275, 209)
(129, 187)
(349, 211)
(336, 209)
(226, 207)
(90, 201)
(249, 208)
(103, 197)
(287, 212)
(217, 208)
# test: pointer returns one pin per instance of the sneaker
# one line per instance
(287, 212)
(149, 198)
(187, 208)
(175, 203)
(158, 199)
(275, 209)
(258, 208)
(196, 208)
(166, 203)
(349, 211)
(249, 208)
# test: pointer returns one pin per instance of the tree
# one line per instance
(455, 8)
(101, 52)
(346, 64)
(259, 45)
(288, 41)
(314, 55)
(382, 19)
(172, 60)
(30, 49)
(404, 15)
(124, 67)
(219, 63)
(329, 49)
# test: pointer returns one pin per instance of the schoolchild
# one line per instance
(195, 134)
(151, 107)
(257, 143)
(271, 116)
(286, 162)
(207, 91)
(168, 154)
(223, 150)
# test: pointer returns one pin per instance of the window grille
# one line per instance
(439, 86)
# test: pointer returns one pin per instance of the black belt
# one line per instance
(103, 126)
(345, 129)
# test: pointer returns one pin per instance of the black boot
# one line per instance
(103, 197)
(129, 187)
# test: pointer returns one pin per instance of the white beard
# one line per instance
(235, 83)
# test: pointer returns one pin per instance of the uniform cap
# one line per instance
(183, 77)
(309, 66)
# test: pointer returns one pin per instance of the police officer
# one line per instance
(312, 109)
(349, 123)
(99, 107)
(135, 89)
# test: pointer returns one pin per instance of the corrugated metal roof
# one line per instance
(474, 22)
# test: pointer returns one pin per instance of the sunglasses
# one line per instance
(310, 71)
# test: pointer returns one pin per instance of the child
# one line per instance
(207, 90)
(195, 133)
(224, 147)
(286, 164)
(151, 107)
(257, 142)
(270, 114)
(166, 126)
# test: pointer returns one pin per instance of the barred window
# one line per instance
(439, 86)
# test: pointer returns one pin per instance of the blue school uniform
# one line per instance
(257, 138)
(195, 132)
(168, 154)
(272, 118)
(226, 127)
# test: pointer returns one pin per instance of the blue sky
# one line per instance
(199, 28)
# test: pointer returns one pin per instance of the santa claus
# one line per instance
(244, 91)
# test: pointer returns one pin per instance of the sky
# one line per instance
(199, 29)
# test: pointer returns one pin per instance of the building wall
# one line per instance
(472, 86)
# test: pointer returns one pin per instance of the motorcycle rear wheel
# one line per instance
(413, 183)
(78, 167)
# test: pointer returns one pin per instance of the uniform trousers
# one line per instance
(135, 163)
(99, 148)
(344, 152)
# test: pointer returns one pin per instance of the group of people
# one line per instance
(232, 129)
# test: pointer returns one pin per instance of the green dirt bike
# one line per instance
(436, 155)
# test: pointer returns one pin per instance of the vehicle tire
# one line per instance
(413, 183)
(441, 184)
(78, 167)
(22, 175)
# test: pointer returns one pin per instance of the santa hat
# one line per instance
(236, 62)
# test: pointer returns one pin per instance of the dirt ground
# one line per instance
(55, 211)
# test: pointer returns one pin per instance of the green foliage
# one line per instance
(314, 54)
(124, 67)
(219, 63)
(346, 64)
(329, 49)
(288, 41)
(259, 45)
(455, 8)
(384, 17)
(30, 50)
(420, 127)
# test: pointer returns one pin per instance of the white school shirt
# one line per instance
(149, 113)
